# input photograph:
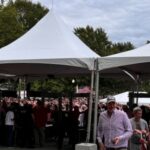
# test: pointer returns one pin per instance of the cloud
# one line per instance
(122, 20)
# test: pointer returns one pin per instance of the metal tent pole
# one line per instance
(96, 101)
(90, 108)
(24, 88)
(135, 78)
(19, 94)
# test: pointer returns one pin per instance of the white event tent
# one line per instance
(136, 62)
(48, 48)
(123, 98)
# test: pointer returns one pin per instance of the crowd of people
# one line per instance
(121, 128)
(31, 122)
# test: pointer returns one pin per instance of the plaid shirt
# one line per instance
(116, 125)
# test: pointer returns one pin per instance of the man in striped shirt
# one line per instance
(114, 128)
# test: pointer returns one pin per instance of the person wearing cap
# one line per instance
(140, 138)
(114, 128)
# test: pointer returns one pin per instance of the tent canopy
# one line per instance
(48, 48)
(136, 61)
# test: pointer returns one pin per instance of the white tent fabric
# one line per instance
(123, 98)
(48, 48)
(138, 55)
(135, 61)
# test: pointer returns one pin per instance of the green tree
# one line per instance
(28, 13)
(10, 29)
(96, 39)
(59, 85)
(18, 17)
(121, 47)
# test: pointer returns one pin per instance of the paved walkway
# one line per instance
(47, 146)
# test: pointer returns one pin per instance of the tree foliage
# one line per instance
(10, 29)
(28, 13)
(98, 41)
(18, 17)
(121, 47)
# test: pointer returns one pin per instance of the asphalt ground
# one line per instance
(47, 146)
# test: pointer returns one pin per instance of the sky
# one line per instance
(122, 20)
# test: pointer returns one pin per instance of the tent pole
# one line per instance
(135, 79)
(137, 87)
(137, 92)
(96, 102)
(129, 74)
(90, 108)
(24, 90)
(20, 81)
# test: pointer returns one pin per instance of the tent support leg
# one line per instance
(96, 102)
(24, 88)
(90, 108)
(135, 78)
(19, 87)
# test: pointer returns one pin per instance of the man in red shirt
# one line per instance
(40, 118)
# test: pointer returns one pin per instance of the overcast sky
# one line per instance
(122, 20)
